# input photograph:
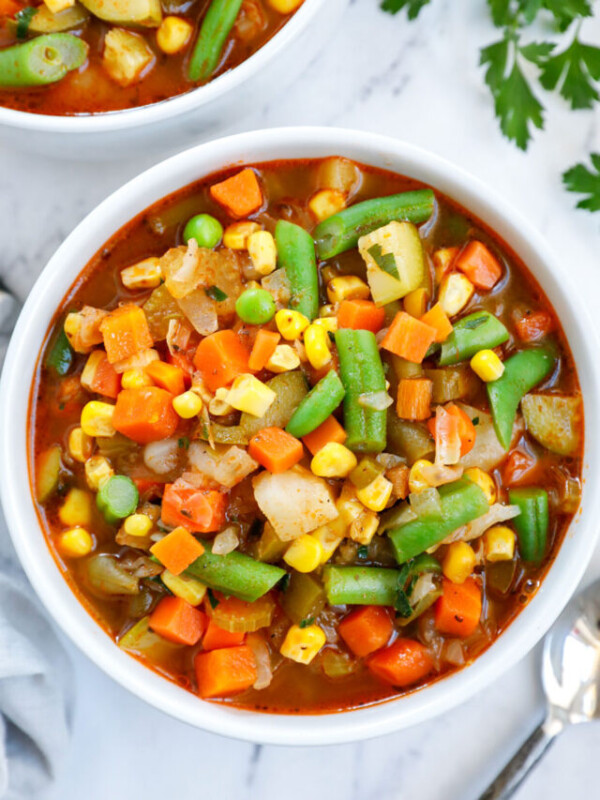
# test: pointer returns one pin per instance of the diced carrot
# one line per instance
(167, 376)
(148, 488)
(328, 431)
(241, 194)
(224, 672)
(463, 428)
(177, 550)
(262, 349)
(398, 477)
(414, 398)
(519, 468)
(437, 318)
(360, 315)
(445, 428)
(125, 332)
(8, 8)
(215, 638)
(480, 266)
(198, 510)
(366, 629)
(105, 380)
(458, 610)
(178, 621)
(403, 663)
(221, 357)
(534, 325)
(275, 449)
(145, 414)
(409, 338)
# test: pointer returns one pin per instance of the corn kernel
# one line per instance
(75, 543)
(328, 310)
(189, 589)
(284, 359)
(81, 445)
(415, 302)
(285, 6)
(416, 481)
(136, 361)
(459, 562)
(146, 274)
(364, 528)
(173, 34)
(89, 371)
(303, 644)
(138, 525)
(376, 495)
(455, 292)
(304, 553)
(236, 235)
(484, 481)
(442, 261)
(96, 418)
(499, 543)
(487, 366)
(56, 6)
(291, 324)
(76, 509)
(262, 252)
(188, 405)
(348, 505)
(218, 405)
(135, 379)
(330, 324)
(333, 461)
(316, 344)
(326, 203)
(249, 394)
(347, 287)
(329, 536)
(97, 471)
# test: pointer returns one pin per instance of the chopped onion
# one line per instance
(426, 503)
(105, 576)
(439, 474)
(424, 585)
(262, 657)
(497, 513)
(389, 460)
(487, 451)
(178, 335)
(200, 310)
(161, 456)
(239, 616)
(226, 466)
(278, 284)
(453, 652)
(377, 401)
(226, 541)
(181, 268)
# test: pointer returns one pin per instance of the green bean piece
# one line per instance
(235, 574)
(216, 27)
(60, 355)
(362, 372)
(319, 403)
(296, 255)
(342, 231)
(364, 586)
(425, 563)
(478, 331)
(45, 59)
(462, 501)
(532, 523)
(117, 499)
(522, 372)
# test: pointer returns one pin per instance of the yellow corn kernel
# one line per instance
(326, 203)
(347, 287)
(189, 589)
(96, 418)
(188, 405)
(76, 509)
(304, 554)
(348, 505)
(499, 543)
(138, 525)
(146, 274)
(484, 481)
(135, 379)
(97, 471)
(218, 405)
(364, 528)
(173, 34)
(249, 394)
(442, 261)
(487, 366)
(137, 361)
(333, 461)
(416, 481)
(253, 285)
(262, 252)
(284, 359)
(375, 496)
(328, 323)
(415, 302)
(75, 543)
(291, 324)
(56, 6)
(302, 644)
(455, 292)
(329, 536)
(328, 310)
(459, 562)
(81, 445)
(316, 344)
(236, 235)
(89, 371)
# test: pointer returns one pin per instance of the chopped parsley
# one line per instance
(306, 622)
(385, 262)
(583, 180)
(216, 294)
(211, 598)
(24, 17)
(183, 443)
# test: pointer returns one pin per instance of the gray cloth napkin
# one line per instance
(35, 674)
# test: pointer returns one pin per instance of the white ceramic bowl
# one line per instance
(188, 118)
(47, 294)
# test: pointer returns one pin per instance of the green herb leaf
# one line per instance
(413, 7)
(567, 11)
(216, 294)
(184, 442)
(537, 52)
(284, 582)
(306, 622)
(363, 551)
(211, 598)
(475, 420)
(385, 262)
(24, 17)
(582, 180)
(574, 71)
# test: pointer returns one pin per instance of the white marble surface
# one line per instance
(419, 82)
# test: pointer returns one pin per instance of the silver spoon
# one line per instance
(571, 679)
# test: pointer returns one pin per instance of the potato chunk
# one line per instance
(554, 421)
(127, 12)
(126, 56)
(395, 261)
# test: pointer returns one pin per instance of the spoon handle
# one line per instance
(523, 761)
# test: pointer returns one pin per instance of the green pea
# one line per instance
(206, 230)
(255, 306)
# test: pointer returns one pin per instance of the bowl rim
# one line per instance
(60, 272)
(192, 100)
